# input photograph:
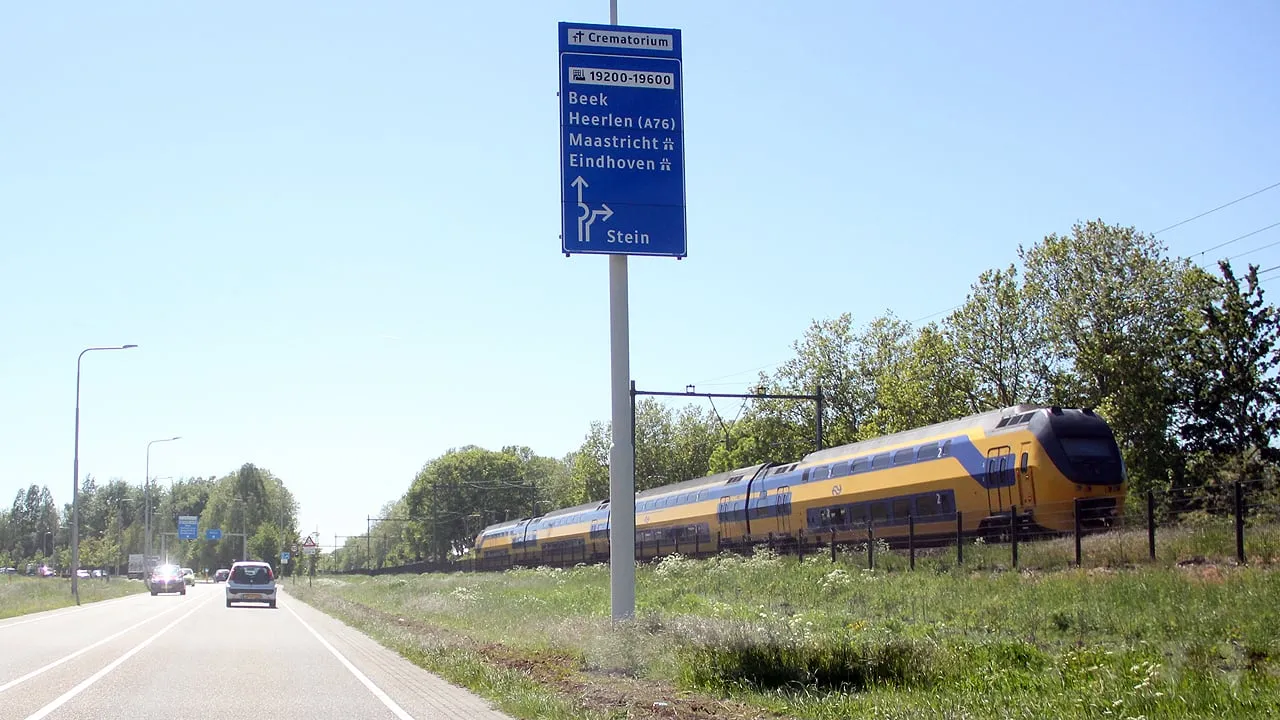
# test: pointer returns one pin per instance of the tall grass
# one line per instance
(22, 595)
(806, 637)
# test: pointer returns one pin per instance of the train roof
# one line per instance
(986, 420)
(717, 479)
(594, 505)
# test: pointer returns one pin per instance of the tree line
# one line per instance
(1179, 359)
(249, 500)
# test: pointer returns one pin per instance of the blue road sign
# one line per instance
(187, 527)
(284, 556)
(621, 141)
(213, 534)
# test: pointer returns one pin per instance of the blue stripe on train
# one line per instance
(961, 449)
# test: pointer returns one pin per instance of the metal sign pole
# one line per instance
(622, 471)
(621, 194)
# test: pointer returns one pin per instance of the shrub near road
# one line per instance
(769, 636)
(21, 595)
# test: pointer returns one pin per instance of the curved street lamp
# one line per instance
(75, 480)
(146, 510)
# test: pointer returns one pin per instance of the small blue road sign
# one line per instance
(213, 534)
(284, 556)
(188, 527)
(621, 141)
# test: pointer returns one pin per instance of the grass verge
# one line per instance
(770, 636)
(22, 595)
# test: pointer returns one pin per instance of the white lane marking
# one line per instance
(62, 612)
(81, 651)
(377, 691)
(64, 697)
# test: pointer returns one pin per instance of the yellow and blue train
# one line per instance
(978, 475)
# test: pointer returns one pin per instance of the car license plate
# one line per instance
(253, 596)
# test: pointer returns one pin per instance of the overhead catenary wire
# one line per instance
(1170, 227)
(1220, 207)
(1167, 228)
(1237, 239)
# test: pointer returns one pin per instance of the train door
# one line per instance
(599, 537)
(732, 514)
(999, 477)
(784, 509)
(1026, 483)
(769, 512)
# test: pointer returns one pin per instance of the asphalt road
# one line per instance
(190, 656)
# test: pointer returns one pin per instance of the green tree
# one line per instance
(457, 493)
(1111, 303)
(881, 358)
(999, 342)
(826, 358)
(589, 473)
(1229, 390)
(266, 544)
(929, 385)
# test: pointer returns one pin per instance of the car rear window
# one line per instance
(251, 575)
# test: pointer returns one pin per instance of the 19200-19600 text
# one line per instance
(623, 78)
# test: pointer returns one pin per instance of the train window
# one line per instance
(859, 465)
(856, 515)
(944, 449)
(1025, 457)
(880, 461)
(879, 512)
(927, 505)
(903, 456)
(840, 515)
(927, 452)
(821, 473)
(804, 478)
(901, 509)
(840, 469)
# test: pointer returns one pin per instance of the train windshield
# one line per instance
(1087, 449)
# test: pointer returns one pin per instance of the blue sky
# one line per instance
(333, 227)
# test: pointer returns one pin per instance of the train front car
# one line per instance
(1079, 460)
(1032, 460)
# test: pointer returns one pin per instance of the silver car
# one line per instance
(251, 581)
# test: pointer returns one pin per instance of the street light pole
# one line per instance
(146, 510)
(75, 480)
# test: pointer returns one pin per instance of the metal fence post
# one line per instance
(911, 538)
(833, 546)
(871, 548)
(1013, 534)
(1239, 522)
(1077, 512)
(959, 538)
(1151, 524)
